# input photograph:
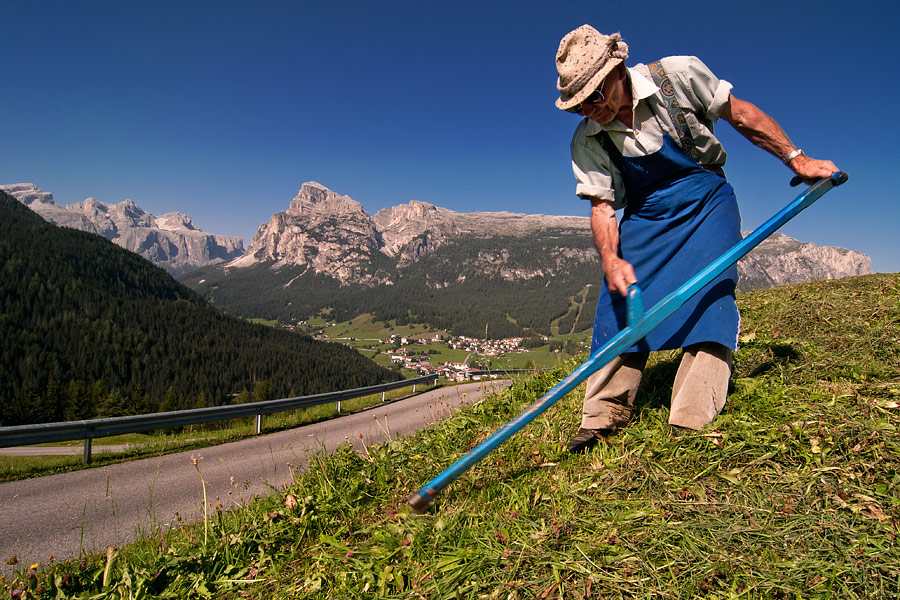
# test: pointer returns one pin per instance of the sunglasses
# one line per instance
(596, 97)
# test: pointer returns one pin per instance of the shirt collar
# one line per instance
(641, 88)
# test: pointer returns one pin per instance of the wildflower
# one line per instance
(34, 566)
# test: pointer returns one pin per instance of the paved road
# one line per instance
(59, 450)
(60, 515)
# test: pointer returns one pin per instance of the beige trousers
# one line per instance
(698, 394)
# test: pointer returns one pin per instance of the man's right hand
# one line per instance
(619, 274)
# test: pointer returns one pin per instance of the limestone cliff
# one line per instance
(335, 236)
(321, 230)
(170, 241)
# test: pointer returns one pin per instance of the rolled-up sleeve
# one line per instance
(594, 175)
(703, 91)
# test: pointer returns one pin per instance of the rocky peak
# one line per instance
(128, 210)
(782, 260)
(170, 241)
(411, 230)
(174, 221)
(315, 200)
(322, 230)
(28, 193)
(125, 214)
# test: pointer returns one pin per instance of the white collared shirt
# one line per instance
(697, 91)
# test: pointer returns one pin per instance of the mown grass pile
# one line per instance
(793, 492)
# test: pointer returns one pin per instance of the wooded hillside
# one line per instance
(90, 329)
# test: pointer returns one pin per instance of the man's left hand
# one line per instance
(810, 169)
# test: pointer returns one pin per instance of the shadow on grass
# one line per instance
(780, 354)
(656, 384)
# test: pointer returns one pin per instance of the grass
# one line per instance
(268, 322)
(794, 492)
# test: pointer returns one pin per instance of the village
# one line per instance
(405, 355)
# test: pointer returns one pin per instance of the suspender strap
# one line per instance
(676, 112)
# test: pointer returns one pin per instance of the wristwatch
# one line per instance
(787, 159)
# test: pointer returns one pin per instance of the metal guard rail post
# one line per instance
(42, 433)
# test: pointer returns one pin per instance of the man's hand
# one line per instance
(811, 169)
(619, 274)
(764, 132)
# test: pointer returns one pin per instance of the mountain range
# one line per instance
(421, 262)
(334, 235)
(170, 241)
(515, 273)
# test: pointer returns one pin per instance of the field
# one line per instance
(793, 492)
(365, 335)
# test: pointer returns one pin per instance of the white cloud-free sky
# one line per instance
(223, 109)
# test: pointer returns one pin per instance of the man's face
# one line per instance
(615, 99)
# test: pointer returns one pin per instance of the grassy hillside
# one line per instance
(794, 492)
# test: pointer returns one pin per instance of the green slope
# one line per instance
(90, 329)
(794, 492)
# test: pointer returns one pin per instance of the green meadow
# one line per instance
(365, 334)
(793, 492)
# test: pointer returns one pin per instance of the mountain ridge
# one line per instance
(171, 241)
(458, 271)
(335, 236)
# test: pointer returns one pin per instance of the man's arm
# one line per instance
(619, 273)
(764, 132)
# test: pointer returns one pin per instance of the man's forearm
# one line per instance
(765, 133)
(605, 229)
(618, 272)
(758, 127)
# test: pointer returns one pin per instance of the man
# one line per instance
(647, 145)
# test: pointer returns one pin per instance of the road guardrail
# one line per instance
(87, 430)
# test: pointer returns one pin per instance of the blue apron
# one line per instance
(679, 218)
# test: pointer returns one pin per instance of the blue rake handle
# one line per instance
(639, 325)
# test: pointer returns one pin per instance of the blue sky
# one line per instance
(223, 109)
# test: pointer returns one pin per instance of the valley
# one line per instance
(517, 275)
(373, 339)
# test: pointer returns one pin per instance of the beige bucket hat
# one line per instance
(585, 57)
